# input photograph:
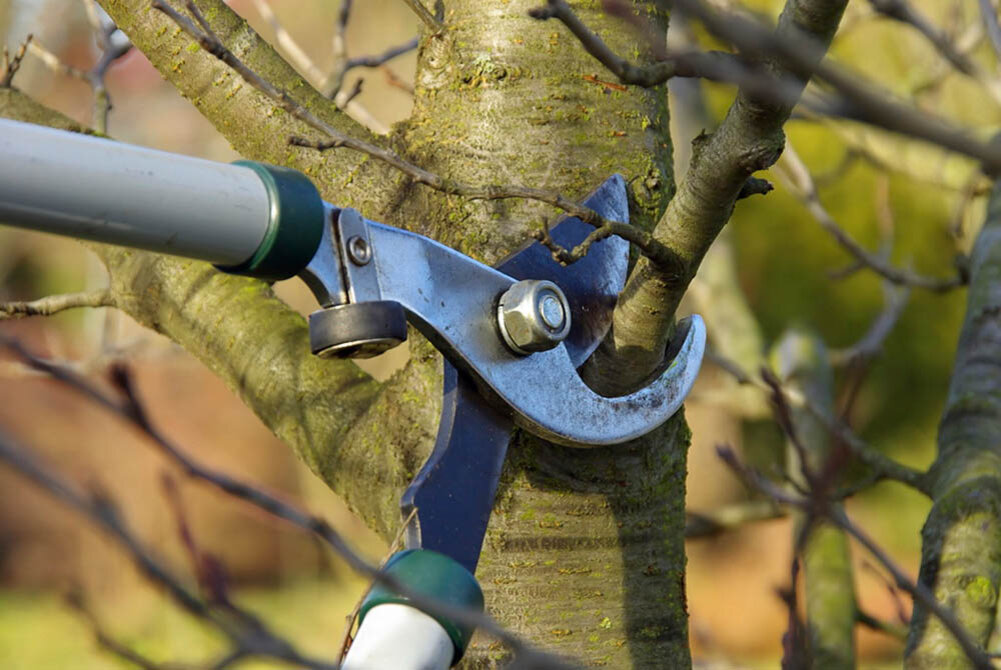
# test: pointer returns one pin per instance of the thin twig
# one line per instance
(797, 179)
(904, 12)
(54, 304)
(214, 46)
(872, 623)
(882, 466)
(655, 250)
(730, 517)
(433, 24)
(12, 65)
(990, 19)
(821, 506)
(870, 345)
(132, 411)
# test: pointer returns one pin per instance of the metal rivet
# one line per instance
(359, 251)
(551, 311)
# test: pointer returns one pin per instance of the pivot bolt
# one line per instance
(533, 315)
(359, 250)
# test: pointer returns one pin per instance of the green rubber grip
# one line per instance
(295, 225)
(440, 579)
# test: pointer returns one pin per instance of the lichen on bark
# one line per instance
(961, 539)
(596, 535)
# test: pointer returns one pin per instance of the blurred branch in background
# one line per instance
(331, 83)
(249, 636)
(112, 45)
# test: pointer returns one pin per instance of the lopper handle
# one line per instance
(392, 633)
(247, 218)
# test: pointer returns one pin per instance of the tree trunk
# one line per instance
(584, 554)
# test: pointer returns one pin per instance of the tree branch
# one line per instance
(208, 40)
(961, 539)
(54, 304)
(917, 590)
(748, 140)
(255, 126)
(256, 640)
(433, 23)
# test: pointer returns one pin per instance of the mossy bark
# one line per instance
(584, 554)
(749, 139)
(961, 540)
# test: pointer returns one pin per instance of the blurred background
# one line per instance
(875, 186)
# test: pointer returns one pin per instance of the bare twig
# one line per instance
(797, 179)
(213, 45)
(644, 241)
(821, 506)
(54, 304)
(893, 630)
(429, 19)
(882, 466)
(990, 19)
(12, 65)
(132, 411)
(871, 344)
(904, 12)
(112, 44)
(378, 60)
(395, 81)
(858, 99)
(730, 517)
(52, 61)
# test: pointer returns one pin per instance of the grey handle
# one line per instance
(96, 189)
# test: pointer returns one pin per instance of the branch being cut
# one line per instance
(54, 304)
(749, 139)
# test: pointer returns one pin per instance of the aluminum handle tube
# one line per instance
(97, 189)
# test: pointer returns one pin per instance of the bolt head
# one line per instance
(533, 315)
(359, 250)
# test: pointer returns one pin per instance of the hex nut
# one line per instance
(533, 315)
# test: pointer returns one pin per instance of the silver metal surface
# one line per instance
(96, 189)
(451, 299)
(352, 234)
(532, 316)
(359, 251)
(593, 283)
(324, 275)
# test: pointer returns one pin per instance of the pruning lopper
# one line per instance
(512, 335)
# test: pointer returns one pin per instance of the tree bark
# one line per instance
(584, 554)
(961, 540)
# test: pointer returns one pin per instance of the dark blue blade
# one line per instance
(454, 491)
(592, 283)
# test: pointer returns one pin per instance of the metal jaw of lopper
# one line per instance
(370, 278)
